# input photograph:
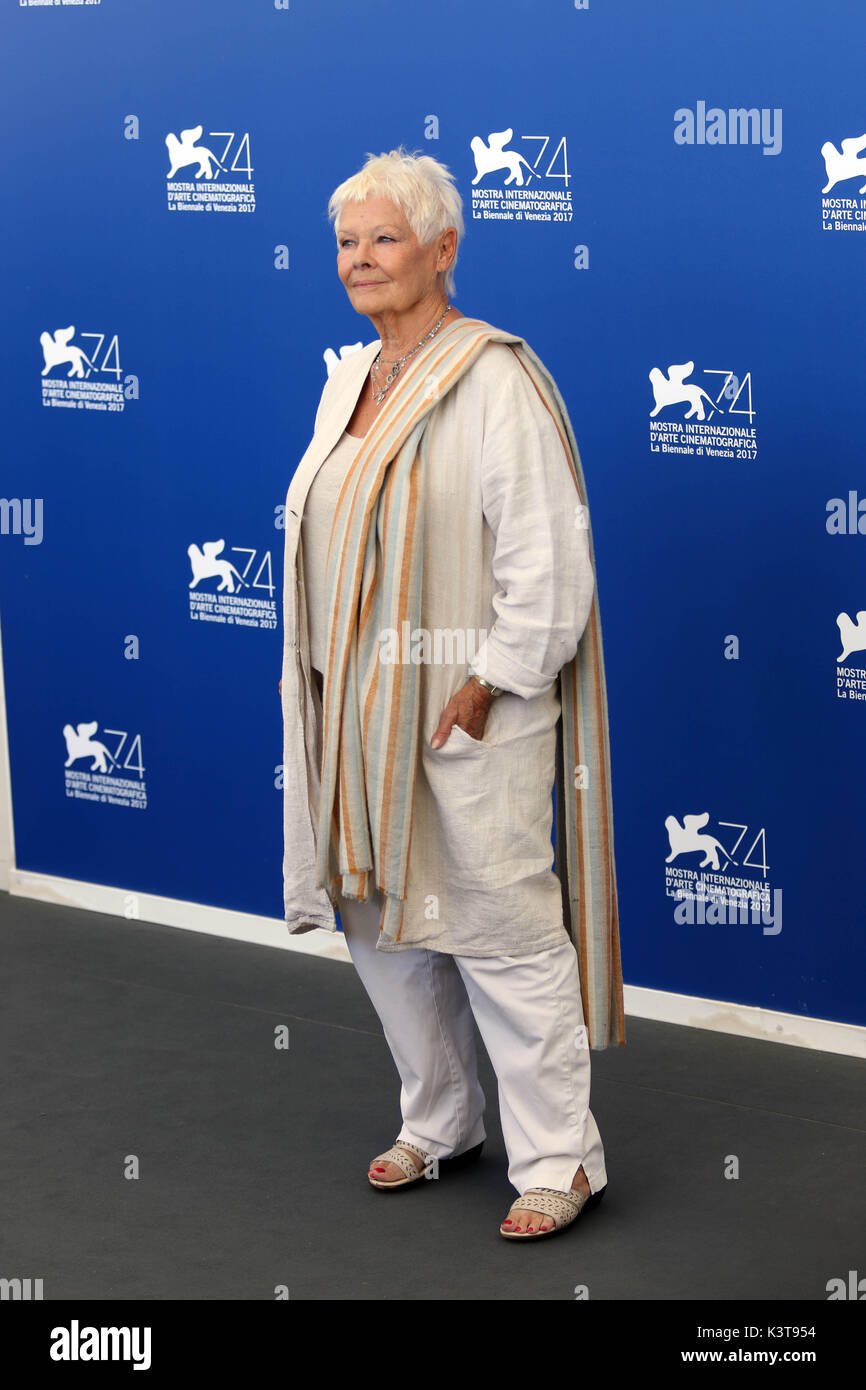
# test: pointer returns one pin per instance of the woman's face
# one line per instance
(379, 259)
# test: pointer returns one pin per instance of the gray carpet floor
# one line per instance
(131, 1046)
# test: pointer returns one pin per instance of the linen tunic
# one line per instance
(316, 522)
(506, 592)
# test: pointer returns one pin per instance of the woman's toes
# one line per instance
(526, 1221)
(391, 1171)
(385, 1172)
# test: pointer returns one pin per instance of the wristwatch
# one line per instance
(494, 689)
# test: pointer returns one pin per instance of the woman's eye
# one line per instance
(383, 237)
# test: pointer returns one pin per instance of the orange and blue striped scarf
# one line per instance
(371, 716)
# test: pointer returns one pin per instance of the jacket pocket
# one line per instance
(456, 729)
(494, 806)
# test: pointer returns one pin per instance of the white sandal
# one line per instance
(397, 1154)
(564, 1207)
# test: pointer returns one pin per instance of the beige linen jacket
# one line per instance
(505, 562)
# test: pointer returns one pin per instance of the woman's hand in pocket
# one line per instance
(468, 708)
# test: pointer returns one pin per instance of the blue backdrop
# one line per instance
(680, 242)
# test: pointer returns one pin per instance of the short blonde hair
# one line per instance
(419, 185)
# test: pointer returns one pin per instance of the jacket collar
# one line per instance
(338, 403)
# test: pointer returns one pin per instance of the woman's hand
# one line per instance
(468, 708)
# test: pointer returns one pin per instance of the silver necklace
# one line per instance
(379, 391)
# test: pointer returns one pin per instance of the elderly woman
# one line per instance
(442, 677)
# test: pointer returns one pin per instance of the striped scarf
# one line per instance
(371, 710)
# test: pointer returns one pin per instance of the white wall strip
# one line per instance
(823, 1035)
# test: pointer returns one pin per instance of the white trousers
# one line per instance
(530, 1016)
